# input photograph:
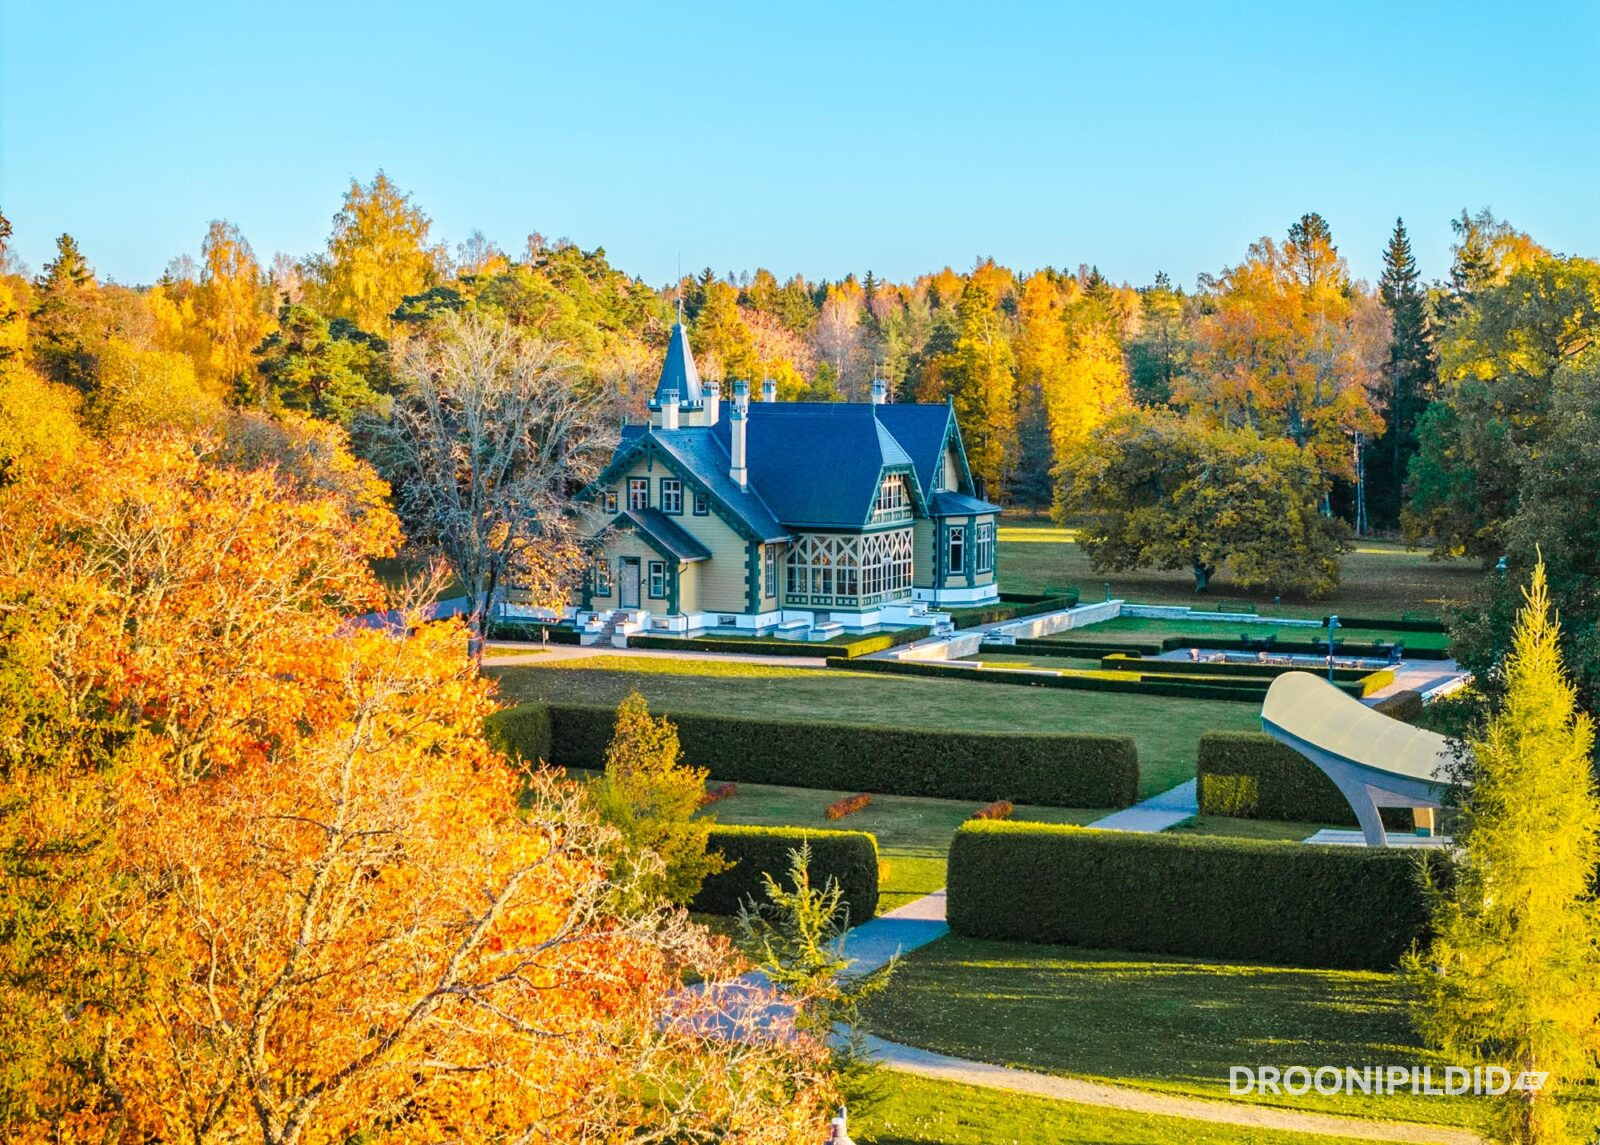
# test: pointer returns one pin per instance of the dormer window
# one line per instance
(894, 503)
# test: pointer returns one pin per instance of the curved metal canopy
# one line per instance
(1375, 761)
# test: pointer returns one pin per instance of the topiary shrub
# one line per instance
(851, 857)
(1056, 770)
(1210, 897)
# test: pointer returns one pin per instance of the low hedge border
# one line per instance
(1124, 662)
(1053, 770)
(1085, 649)
(851, 857)
(1089, 648)
(1210, 897)
(1389, 624)
(1312, 647)
(770, 646)
(1357, 682)
(1012, 606)
(1243, 690)
(532, 630)
(1250, 775)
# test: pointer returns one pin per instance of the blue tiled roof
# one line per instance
(958, 505)
(921, 430)
(668, 535)
(698, 451)
(817, 464)
(678, 371)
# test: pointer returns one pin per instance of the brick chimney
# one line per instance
(713, 401)
(769, 390)
(669, 409)
(880, 391)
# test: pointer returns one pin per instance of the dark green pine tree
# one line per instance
(1411, 378)
(64, 317)
(1032, 483)
(69, 268)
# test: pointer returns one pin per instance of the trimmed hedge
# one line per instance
(1085, 649)
(1389, 624)
(534, 631)
(1054, 770)
(851, 857)
(1125, 662)
(1221, 689)
(1095, 648)
(1250, 775)
(1405, 705)
(1357, 682)
(1314, 647)
(771, 646)
(1211, 897)
(524, 731)
(1012, 606)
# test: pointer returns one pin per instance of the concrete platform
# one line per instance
(1337, 838)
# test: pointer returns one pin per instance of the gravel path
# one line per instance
(925, 1063)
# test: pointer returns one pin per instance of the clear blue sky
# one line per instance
(816, 138)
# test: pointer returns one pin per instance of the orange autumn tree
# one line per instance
(1291, 347)
(265, 879)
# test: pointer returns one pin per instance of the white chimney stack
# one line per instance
(736, 426)
(880, 391)
(713, 401)
(669, 409)
(769, 390)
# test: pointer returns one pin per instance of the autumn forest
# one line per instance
(269, 879)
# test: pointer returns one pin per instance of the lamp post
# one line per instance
(1333, 622)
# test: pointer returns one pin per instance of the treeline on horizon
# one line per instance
(1247, 425)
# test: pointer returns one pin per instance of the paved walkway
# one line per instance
(873, 944)
(1156, 813)
(926, 1063)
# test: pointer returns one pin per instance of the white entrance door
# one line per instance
(630, 582)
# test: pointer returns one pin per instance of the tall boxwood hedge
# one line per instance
(1250, 775)
(1344, 907)
(1058, 770)
(851, 857)
(523, 731)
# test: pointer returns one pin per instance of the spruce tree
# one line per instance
(1411, 376)
(1513, 975)
(68, 269)
(65, 321)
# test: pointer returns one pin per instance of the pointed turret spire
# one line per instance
(678, 373)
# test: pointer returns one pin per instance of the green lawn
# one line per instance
(1144, 629)
(1171, 1024)
(1167, 730)
(919, 1111)
(913, 834)
(1379, 577)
